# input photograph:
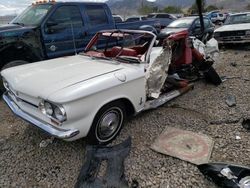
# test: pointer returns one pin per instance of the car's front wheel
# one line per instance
(107, 123)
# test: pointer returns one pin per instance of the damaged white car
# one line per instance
(236, 29)
(91, 94)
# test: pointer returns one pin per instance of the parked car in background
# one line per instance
(136, 18)
(117, 18)
(236, 29)
(55, 29)
(217, 17)
(164, 18)
(192, 24)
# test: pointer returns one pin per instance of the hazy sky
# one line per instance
(16, 6)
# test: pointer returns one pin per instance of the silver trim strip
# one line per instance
(56, 132)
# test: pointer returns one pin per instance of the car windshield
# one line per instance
(181, 23)
(123, 46)
(151, 16)
(237, 19)
(33, 15)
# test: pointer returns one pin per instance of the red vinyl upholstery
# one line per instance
(125, 51)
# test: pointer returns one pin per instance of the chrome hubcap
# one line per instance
(109, 123)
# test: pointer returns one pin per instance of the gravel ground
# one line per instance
(24, 164)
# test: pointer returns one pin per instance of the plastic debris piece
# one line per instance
(231, 100)
(135, 184)
(45, 143)
(114, 176)
(238, 138)
(226, 175)
(246, 124)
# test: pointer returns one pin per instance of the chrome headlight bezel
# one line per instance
(53, 111)
(6, 84)
(60, 113)
(248, 32)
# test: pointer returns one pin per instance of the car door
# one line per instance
(63, 32)
(97, 18)
(165, 19)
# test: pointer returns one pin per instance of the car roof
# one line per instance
(73, 2)
(160, 13)
(241, 13)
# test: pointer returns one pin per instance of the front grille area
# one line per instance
(232, 33)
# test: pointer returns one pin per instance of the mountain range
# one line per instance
(126, 7)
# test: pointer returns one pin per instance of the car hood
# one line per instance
(47, 77)
(168, 31)
(8, 27)
(234, 27)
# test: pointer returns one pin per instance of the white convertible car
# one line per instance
(91, 94)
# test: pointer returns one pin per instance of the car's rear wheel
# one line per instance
(9, 65)
(107, 124)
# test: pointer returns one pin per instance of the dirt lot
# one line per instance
(24, 164)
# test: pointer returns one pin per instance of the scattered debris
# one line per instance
(226, 175)
(231, 100)
(185, 145)
(246, 124)
(113, 176)
(233, 64)
(135, 184)
(238, 137)
(45, 143)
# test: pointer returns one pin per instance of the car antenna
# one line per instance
(73, 37)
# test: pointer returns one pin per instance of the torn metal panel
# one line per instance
(210, 50)
(153, 104)
(157, 71)
(227, 175)
(114, 175)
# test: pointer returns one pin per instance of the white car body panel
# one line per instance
(233, 27)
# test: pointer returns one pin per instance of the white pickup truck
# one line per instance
(236, 29)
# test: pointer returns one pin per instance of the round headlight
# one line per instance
(60, 114)
(48, 108)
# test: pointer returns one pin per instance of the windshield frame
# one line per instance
(124, 32)
(228, 21)
(20, 18)
(183, 21)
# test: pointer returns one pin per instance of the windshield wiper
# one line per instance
(18, 23)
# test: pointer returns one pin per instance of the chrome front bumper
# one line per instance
(53, 131)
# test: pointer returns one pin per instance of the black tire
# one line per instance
(212, 76)
(97, 131)
(9, 65)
